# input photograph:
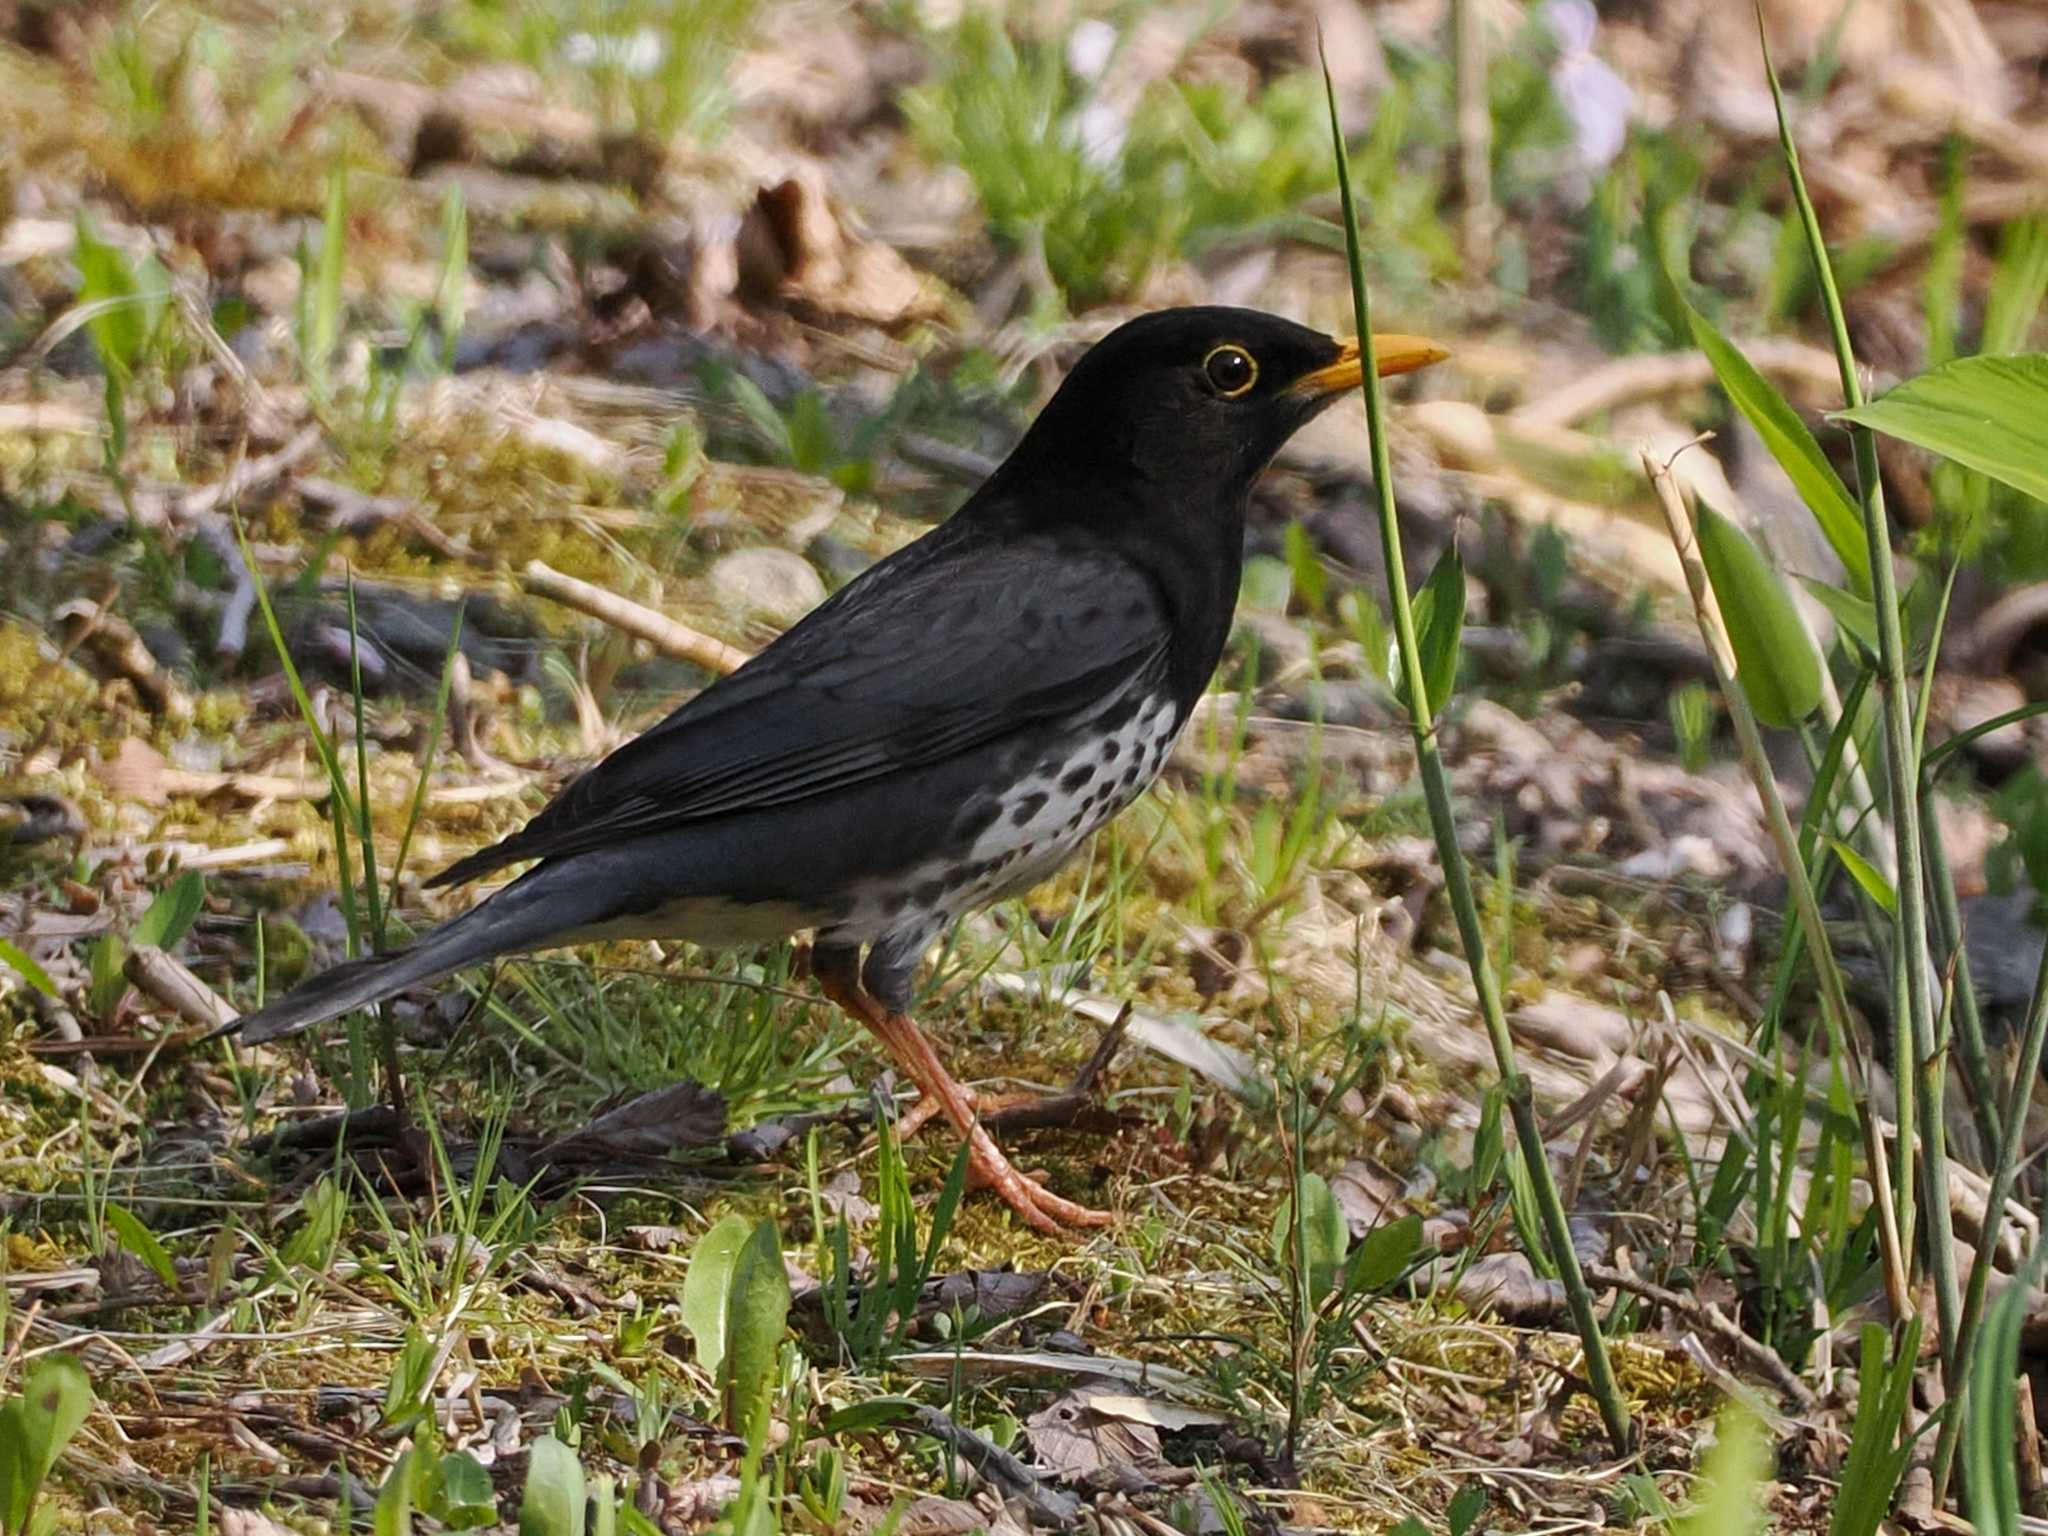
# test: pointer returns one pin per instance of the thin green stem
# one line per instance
(1443, 821)
(1833, 995)
(2004, 1172)
(1970, 1046)
(1902, 772)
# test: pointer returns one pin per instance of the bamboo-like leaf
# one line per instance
(142, 1242)
(1867, 875)
(173, 911)
(1983, 412)
(25, 966)
(1776, 664)
(1812, 476)
(1856, 616)
(1383, 1255)
(1439, 633)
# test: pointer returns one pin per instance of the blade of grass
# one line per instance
(436, 727)
(1457, 879)
(1902, 773)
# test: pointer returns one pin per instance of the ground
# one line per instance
(364, 335)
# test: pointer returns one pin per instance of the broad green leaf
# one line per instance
(1468, 1503)
(1983, 412)
(1439, 629)
(128, 300)
(1812, 476)
(460, 1495)
(172, 913)
(392, 1515)
(25, 966)
(875, 1413)
(1731, 1478)
(1383, 1256)
(1867, 875)
(405, 1389)
(34, 1429)
(1325, 1238)
(707, 1288)
(108, 954)
(141, 1242)
(553, 1503)
(313, 1244)
(17, 1488)
(1776, 665)
(759, 1318)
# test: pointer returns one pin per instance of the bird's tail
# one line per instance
(528, 914)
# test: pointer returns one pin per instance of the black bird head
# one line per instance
(1151, 446)
(1190, 404)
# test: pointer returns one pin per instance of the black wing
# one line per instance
(950, 643)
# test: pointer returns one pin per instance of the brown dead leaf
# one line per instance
(792, 246)
(1368, 1194)
(1072, 1437)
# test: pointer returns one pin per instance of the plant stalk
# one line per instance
(1833, 995)
(1903, 774)
(1971, 1051)
(1443, 821)
(2004, 1171)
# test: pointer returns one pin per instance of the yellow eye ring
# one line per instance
(1231, 370)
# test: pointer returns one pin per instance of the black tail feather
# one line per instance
(528, 914)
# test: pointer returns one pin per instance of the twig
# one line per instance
(168, 980)
(1045, 1504)
(643, 623)
(1725, 1328)
(1062, 1110)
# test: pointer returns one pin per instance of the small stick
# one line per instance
(1710, 1317)
(643, 623)
(2033, 1483)
(168, 980)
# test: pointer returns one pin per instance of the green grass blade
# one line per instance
(1443, 821)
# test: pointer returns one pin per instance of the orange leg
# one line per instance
(907, 1045)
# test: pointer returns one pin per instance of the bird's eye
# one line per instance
(1231, 370)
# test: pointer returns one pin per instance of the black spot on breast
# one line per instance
(930, 892)
(1110, 749)
(1027, 808)
(1076, 777)
(979, 817)
(1130, 776)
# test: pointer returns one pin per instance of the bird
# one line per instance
(944, 731)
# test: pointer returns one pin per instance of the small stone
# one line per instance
(770, 583)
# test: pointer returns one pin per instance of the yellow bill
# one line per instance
(1393, 354)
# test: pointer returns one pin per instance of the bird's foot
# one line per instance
(1031, 1200)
